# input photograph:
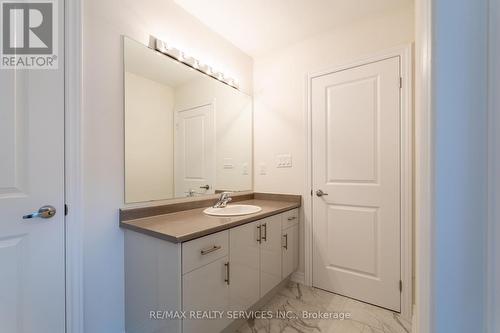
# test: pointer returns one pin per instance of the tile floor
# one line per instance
(364, 318)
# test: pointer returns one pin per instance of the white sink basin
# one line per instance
(233, 210)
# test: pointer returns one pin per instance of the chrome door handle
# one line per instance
(206, 187)
(45, 212)
(320, 193)
(285, 236)
(259, 238)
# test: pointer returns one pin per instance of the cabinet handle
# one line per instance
(291, 218)
(264, 227)
(227, 273)
(259, 239)
(210, 250)
(286, 241)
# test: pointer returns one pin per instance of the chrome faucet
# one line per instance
(223, 200)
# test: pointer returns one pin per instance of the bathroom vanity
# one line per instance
(188, 139)
(187, 261)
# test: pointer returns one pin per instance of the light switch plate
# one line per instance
(284, 161)
(244, 168)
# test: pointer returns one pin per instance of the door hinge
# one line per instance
(65, 209)
(400, 286)
(400, 82)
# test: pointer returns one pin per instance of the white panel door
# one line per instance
(194, 153)
(356, 162)
(270, 253)
(31, 176)
(244, 257)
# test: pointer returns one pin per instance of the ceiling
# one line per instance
(259, 26)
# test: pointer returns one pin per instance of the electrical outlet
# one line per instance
(244, 169)
(284, 161)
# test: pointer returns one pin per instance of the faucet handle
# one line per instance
(223, 200)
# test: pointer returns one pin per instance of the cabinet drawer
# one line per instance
(201, 251)
(290, 218)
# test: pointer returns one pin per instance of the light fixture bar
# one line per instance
(180, 56)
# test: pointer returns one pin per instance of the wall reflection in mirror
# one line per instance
(186, 134)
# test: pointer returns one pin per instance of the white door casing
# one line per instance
(32, 251)
(194, 152)
(356, 160)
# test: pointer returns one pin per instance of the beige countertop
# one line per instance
(186, 225)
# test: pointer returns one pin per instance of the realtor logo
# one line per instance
(29, 34)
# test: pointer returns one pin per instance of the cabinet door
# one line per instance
(290, 250)
(244, 250)
(270, 253)
(206, 289)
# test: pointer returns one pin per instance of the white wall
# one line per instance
(460, 163)
(280, 93)
(104, 23)
(149, 139)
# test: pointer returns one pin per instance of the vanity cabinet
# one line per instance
(230, 270)
(206, 289)
(205, 281)
(255, 257)
(270, 253)
(290, 242)
(244, 257)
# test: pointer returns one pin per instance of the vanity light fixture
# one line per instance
(172, 52)
(232, 82)
(191, 62)
(219, 76)
(206, 69)
(168, 50)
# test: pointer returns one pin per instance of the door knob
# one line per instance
(320, 193)
(206, 187)
(45, 212)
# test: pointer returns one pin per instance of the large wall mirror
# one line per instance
(186, 133)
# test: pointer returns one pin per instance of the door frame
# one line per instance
(493, 247)
(424, 172)
(406, 204)
(73, 160)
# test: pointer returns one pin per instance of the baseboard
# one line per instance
(298, 277)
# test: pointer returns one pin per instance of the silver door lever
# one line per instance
(45, 212)
(320, 193)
